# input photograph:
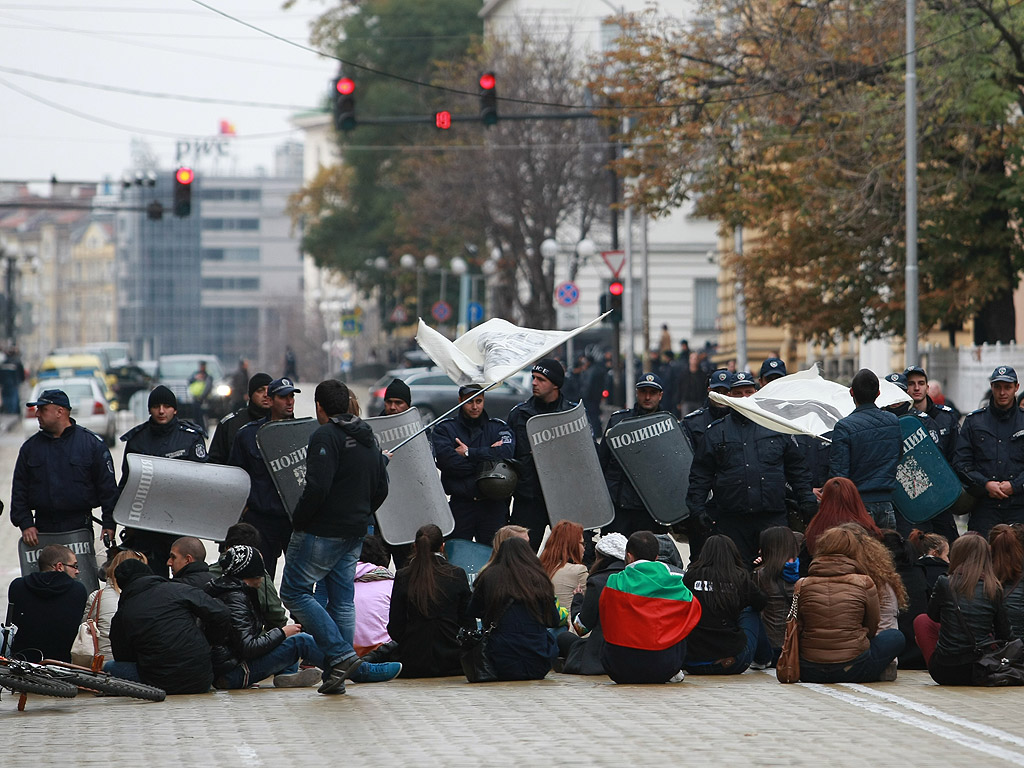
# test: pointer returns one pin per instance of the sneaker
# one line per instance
(301, 679)
(758, 665)
(381, 653)
(377, 673)
(678, 677)
(340, 672)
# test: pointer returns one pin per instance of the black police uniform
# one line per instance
(528, 508)
(948, 424)
(747, 466)
(177, 439)
(695, 424)
(62, 479)
(224, 437)
(991, 447)
(264, 509)
(631, 514)
(475, 516)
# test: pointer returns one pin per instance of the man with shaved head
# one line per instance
(188, 562)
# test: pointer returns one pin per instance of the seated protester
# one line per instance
(725, 642)
(502, 535)
(514, 594)
(109, 595)
(188, 563)
(1008, 564)
(904, 558)
(562, 559)
(668, 552)
(875, 560)
(582, 654)
(932, 555)
(251, 654)
(646, 614)
(840, 503)
(429, 604)
(373, 587)
(838, 615)
(271, 606)
(965, 609)
(775, 576)
(155, 636)
(47, 606)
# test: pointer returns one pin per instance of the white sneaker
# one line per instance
(678, 677)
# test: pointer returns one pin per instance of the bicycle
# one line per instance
(23, 677)
(100, 682)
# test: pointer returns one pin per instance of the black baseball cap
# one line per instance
(281, 387)
(52, 397)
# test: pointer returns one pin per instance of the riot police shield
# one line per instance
(415, 496)
(570, 474)
(80, 542)
(467, 555)
(656, 456)
(282, 445)
(181, 497)
(925, 483)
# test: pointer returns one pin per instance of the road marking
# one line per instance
(924, 709)
(963, 740)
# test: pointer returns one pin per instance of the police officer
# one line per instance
(463, 445)
(257, 408)
(631, 514)
(747, 466)
(62, 473)
(264, 509)
(397, 398)
(771, 369)
(697, 422)
(165, 435)
(989, 455)
(528, 508)
(945, 418)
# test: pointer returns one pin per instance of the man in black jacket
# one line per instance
(47, 606)
(346, 481)
(165, 435)
(188, 562)
(154, 635)
(256, 409)
(250, 653)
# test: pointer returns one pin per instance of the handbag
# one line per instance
(787, 668)
(476, 661)
(85, 651)
(996, 664)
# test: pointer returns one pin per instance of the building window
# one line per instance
(231, 254)
(221, 195)
(248, 225)
(231, 283)
(705, 304)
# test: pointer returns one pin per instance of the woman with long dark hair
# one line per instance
(968, 605)
(514, 594)
(775, 576)
(429, 603)
(725, 640)
(562, 559)
(1008, 565)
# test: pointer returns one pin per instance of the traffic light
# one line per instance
(344, 104)
(488, 99)
(183, 179)
(615, 289)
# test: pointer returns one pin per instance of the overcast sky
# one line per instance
(160, 46)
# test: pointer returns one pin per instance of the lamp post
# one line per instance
(10, 252)
(460, 268)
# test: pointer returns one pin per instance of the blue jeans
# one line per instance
(126, 670)
(866, 668)
(311, 559)
(282, 660)
(882, 513)
(756, 649)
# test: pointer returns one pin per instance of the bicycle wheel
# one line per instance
(101, 682)
(32, 682)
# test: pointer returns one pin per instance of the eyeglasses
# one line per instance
(72, 565)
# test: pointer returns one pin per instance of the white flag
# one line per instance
(804, 403)
(492, 351)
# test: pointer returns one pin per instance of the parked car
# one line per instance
(89, 405)
(174, 372)
(433, 393)
(76, 364)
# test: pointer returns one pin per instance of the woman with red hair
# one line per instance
(562, 560)
(840, 503)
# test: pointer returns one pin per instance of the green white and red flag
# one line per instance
(647, 606)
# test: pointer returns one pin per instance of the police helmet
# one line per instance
(497, 480)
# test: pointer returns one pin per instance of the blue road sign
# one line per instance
(567, 294)
(475, 312)
(441, 311)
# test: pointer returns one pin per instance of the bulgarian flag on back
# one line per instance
(647, 606)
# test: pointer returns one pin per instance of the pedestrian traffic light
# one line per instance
(615, 290)
(443, 120)
(488, 99)
(344, 104)
(183, 179)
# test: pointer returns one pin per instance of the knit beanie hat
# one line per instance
(613, 545)
(242, 562)
(161, 395)
(129, 570)
(551, 370)
(258, 380)
(398, 389)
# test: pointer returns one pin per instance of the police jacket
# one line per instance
(529, 483)
(991, 447)
(155, 626)
(458, 473)
(246, 639)
(346, 480)
(982, 619)
(624, 495)
(224, 437)
(948, 424)
(866, 448)
(695, 424)
(263, 496)
(927, 422)
(177, 439)
(747, 466)
(63, 479)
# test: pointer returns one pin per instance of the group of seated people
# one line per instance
(868, 602)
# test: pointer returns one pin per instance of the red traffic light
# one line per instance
(487, 81)
(616, 288)
(346, 86)
(443, 120)
(184, 176)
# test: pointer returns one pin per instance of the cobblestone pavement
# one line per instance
(746, 720)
